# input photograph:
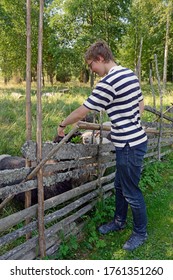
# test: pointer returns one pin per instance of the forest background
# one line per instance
(134, 29)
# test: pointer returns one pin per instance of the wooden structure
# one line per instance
(86, 164)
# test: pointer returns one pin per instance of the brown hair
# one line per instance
(100, 48)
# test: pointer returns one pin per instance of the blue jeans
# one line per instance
(129, 162)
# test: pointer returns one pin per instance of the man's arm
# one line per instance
(141, 106)
(74, 117)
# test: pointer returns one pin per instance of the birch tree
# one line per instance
(168, 18)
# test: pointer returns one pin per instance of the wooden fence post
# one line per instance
(99, 164)
(161, 108)
(42, 245)
(28, 99)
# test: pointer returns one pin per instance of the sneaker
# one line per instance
(112, 226)
(134, 241)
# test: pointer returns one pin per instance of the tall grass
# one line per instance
(54, 109)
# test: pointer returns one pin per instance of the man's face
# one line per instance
(97, 66)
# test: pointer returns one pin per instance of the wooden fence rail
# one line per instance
(86, 164)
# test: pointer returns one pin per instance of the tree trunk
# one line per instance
(166, 52)
(138, 66)
(152, 88)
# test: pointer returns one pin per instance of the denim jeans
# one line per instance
(129, 162)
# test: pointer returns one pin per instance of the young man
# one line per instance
(119, 94)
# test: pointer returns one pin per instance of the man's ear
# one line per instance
(100, 58)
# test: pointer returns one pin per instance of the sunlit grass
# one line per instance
(54, 109)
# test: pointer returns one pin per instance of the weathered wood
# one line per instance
(154, 111)
(42, 163)
(29, 249)
(39, 171)
(94, 126)
(17, 188)
(70, 151)
(28, 94)
(153, 156)
(54, 246)
(18, 217)
(154, 124)
(54, 216)
(53, 242)
(10, 177)
(28, 73)
(48, 181)
(76, 230)
(161, 108)
(19, 174)
(5, 201)
(67, 152)
(20, 252)
(79, 163)
(168, 140)
(22, 249)
(28, 201)
(52, 249)
(167, 40)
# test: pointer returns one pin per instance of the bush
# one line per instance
(63, 76)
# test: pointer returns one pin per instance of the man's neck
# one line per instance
(109, 65)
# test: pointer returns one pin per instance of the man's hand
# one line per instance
(57, 139)
(60, 134)
(60, 131)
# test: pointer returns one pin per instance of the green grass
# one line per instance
(157, 178)
(157, 185)
(54, 109)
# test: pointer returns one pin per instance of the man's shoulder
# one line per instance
(117, 73)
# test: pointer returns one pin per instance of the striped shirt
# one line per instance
(119, 94)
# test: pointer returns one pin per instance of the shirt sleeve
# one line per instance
(102, 95)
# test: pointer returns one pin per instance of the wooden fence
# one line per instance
(85, 164)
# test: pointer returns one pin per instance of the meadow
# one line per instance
(54, 109)
(156, 182)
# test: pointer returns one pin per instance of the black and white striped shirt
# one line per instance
(119, 94)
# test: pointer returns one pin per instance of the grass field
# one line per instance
(157, 178)
(54, 109)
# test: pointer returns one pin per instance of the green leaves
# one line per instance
(70, 26)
